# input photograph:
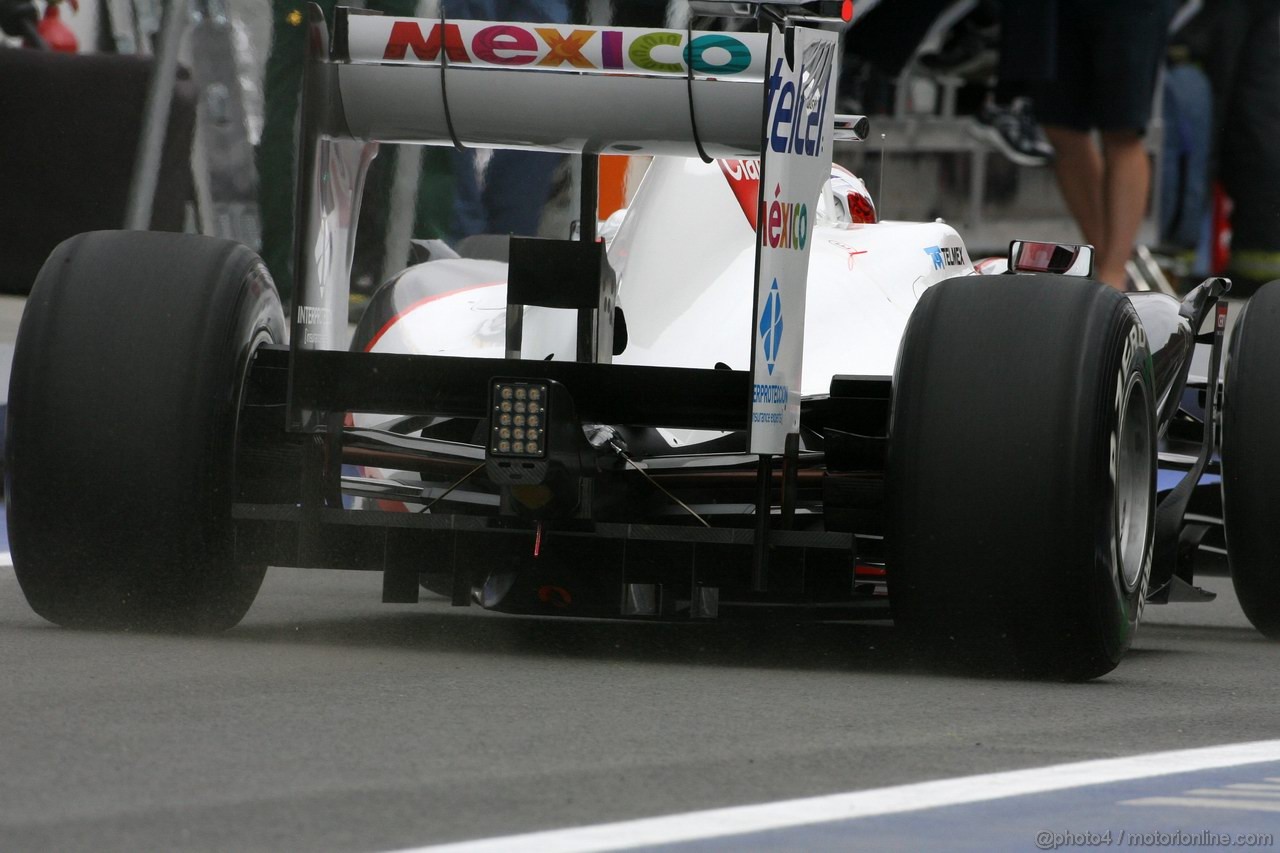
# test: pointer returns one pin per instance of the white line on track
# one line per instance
(1206, 803)
(740, 820)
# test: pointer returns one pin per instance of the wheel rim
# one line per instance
(1133, 494)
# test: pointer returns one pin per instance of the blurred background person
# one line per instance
(1240, 46)
(1107, 60)
(457, 194)
(503, 191)
(1004, 46)
(282, 91)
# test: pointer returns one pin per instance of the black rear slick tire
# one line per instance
(1021, 474)
(1251, 459)
(122, 418)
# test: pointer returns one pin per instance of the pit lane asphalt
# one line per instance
(329, 721)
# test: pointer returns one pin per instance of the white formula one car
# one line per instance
(756, 398)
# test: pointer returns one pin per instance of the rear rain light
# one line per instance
(518, 422)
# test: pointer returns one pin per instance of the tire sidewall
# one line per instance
(225, 588)
(1119, 604)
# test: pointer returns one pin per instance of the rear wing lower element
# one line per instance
(587, 90)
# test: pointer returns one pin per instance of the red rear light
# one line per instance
(860, 208)
(846, 10)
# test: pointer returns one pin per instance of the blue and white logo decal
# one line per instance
(771, 326)
(951, 256)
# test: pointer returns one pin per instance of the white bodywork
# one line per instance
(685, 258)
(685, 254)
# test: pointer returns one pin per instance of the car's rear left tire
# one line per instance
(123, 402)
(1021, 473)
(1251, 459)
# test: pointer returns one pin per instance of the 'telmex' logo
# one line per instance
(951, 256)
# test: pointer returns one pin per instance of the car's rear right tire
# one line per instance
(1251, 459)
(1021, 473)
(123, 406)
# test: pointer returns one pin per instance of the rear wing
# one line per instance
(555, 88)
(587, 90)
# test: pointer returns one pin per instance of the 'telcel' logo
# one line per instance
(797, 105)
(771, 326)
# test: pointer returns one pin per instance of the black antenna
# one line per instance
(880, 194)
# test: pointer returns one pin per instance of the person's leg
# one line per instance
(469, 215)
(282, 88)
(535, 11)
(517, 186)
(1124, 59)
(1078, 167)
(1250, 162)
(282, 81)
(433, 213)
(487, 208)
(1126, 184)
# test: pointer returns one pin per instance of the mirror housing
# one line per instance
(1055, 258)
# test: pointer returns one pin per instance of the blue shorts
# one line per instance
(1108, 55)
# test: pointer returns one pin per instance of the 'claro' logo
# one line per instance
(627, 49)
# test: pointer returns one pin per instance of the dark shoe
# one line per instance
(1013, 130)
